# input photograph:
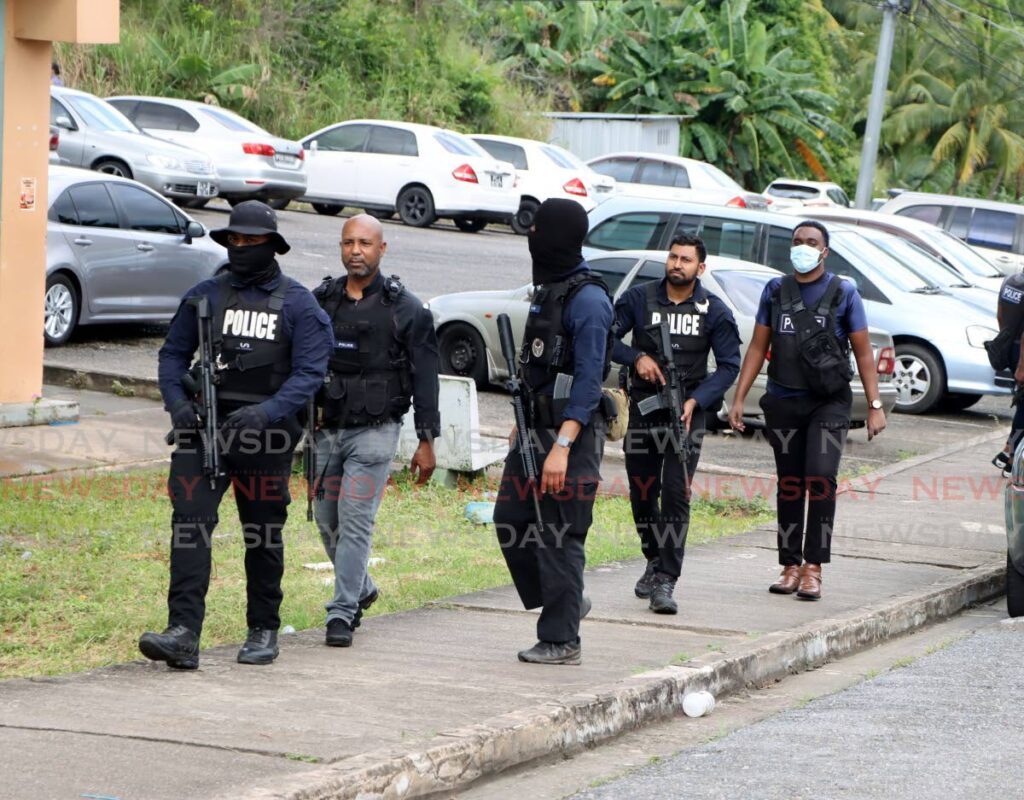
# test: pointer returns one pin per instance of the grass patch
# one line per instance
(84, 561)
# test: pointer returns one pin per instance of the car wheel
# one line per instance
(60, 312)
(920, 379)
(376, 213)
(1014, 590)
(327, 209)
(522, 221)
(463, 353)
(470, 224)
(955, 401)
(279, 203)
(416, 207)
(111, 166)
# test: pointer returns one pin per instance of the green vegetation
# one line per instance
(83, 562)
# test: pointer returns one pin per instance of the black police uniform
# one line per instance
(699, 325)
(567, 331)
(271, 341)
(1011, 318)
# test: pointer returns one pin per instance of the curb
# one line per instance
(461, 756)
(98, 381)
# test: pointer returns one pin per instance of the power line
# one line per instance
(1015, 31)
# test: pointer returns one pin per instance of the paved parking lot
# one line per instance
(442, 259)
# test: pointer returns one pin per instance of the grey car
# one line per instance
(252, 164)
(116, 251)
(95, 135)
(466, 322)
(940, 354)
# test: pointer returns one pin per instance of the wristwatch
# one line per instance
(564, 441)
(876, 403)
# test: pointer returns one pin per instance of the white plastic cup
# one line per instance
(697, 704)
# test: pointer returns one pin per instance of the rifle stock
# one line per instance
(672, 393)
(520, 395)
(309, 456)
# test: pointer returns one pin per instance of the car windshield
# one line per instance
(460, 145)
(962, 256)
(233, 122)
(742, 288)
(721, 178)
(916, 259)
(562, 158)
(874, 261)
(99, 114)
(792, 191)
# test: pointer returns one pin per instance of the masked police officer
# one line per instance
(385, 355)
(699, 323)
(807, 409)
(567, 334)
(1010, 315)
(271, 343)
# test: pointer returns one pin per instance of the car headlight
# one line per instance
(977, 335)
(167, 162)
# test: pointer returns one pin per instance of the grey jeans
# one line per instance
(353, 466)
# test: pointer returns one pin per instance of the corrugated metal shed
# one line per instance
(591, 135)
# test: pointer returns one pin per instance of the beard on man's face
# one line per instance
(677, 279)
(360, 269)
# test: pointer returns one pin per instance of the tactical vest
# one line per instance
(690, 336)
(253, 354)
(1011, 304)
(547, 346)
(784, 366)
(369, 378)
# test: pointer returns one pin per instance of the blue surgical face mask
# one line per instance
(804, 258)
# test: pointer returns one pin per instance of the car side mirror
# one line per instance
(64, 122)
(194, 230)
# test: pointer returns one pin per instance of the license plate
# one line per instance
(205, 189)
(496, 181)
(285, 160)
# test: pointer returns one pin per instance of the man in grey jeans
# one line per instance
(385, 359)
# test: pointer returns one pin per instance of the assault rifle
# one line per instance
(670, 396)
(201, 383)
(309, 456)
(520, 396)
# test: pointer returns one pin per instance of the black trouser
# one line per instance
(547, 565)
(655, 473)
(807, 435)
(258, 466)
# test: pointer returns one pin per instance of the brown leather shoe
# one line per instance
(810, 582)
(787, 582)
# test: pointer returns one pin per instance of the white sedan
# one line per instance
(419, 171)
(543, 171)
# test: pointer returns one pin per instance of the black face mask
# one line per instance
(254, 264)
(557, 241)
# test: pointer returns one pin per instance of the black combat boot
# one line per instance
(552, 653)
(646, 583)
(339, 633)
(260, 647)
(177, 645)
(661, 595)
(364, 604)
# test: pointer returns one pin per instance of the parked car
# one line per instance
(466, 322)
(545, 170)
(973, 266)
(790, 193)
(116, 251)
(252, 164)
(662, 177)
(419, 171)
(54, 144)
(1014, 503)
(996, 230)
(939, 340)
(95, 135)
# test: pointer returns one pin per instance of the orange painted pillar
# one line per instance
(29, 27)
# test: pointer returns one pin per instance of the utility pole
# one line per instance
(876, 108)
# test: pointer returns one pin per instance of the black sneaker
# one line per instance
(552, 653)
(260, 647)
(364, 604)
(646, 583)
(661, 595)
(339, 633)
(177, 645)
(1004, 461)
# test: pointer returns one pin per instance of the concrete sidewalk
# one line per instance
(428, 700)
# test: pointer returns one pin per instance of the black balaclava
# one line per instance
(557, 239)
(254, 264)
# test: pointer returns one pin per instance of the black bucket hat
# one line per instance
(252, 218)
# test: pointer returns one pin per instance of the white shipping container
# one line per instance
(592, 135)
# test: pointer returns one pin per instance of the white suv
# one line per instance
(545, 170)
(419, 171)
(661, 177)
(790, 193)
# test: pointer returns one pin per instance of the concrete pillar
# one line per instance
(28, 29)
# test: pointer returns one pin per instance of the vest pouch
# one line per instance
(335, 390)
(826, 367)
(375, 396)
(1000, 349)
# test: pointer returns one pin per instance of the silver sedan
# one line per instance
(466, 322)
(116, 251)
